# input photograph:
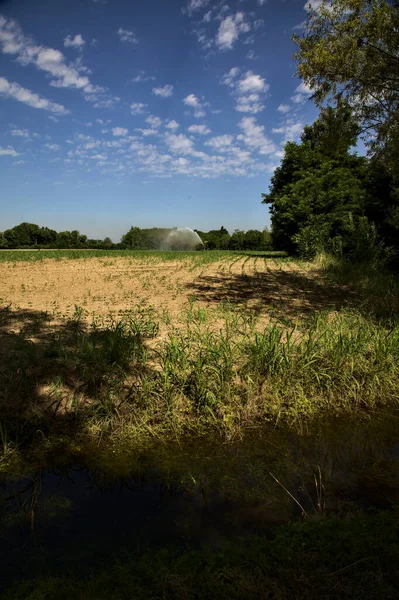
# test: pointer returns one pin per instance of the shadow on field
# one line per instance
(52, 375)
(286, 293)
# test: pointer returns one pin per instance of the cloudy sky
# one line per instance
(145, 112)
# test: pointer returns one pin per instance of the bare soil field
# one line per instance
(104, 288)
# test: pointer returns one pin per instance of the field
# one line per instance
(265, 385)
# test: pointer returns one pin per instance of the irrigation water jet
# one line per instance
(182, 238)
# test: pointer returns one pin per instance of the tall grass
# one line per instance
(224, 381)
(376, 286)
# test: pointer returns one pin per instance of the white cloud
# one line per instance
(253, 136)
(251, 82)
(303, 88)
(201, 129)
(52, 146)
(284, 108)
(192, 101)
(195, 5)
(155, 122)
(164, 92)
(119, 131)
(180, 144)
(137, 108)
(49, 60)
(303, 91)
(249, 104)
(127, 36)
(20, 133)
(229, 78)
(316, 4)
(250, 90)
(229, 30)
(221, 143)
(252, 55)
(74, 42)
(300, 27)
(54, 119)
(141, 76)
(172, 125)
(147, 132)
(258, 24)
(249, 40)
(203, 39)
(17, 92)
(9, 151)
(102, 100)
(207, 17)
(289, 130)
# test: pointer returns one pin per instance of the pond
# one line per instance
(75, 515)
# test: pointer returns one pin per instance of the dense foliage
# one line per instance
(325, 197)
(29, 235)
(144, 239)
(350, 49)
(220, 239)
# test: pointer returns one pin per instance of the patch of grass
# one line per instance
(377, 288)
(152, 255)
(115, 377)
(355, 558)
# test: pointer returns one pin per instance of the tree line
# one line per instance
(216, 239)
(29, 235)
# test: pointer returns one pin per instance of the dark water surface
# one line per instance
(70, 519)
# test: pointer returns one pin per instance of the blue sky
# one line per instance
(116, 113)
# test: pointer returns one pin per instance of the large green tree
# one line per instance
(318, 184)
(350, 49)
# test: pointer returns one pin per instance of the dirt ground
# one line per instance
(111, 287)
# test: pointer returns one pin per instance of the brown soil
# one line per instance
(106, 288)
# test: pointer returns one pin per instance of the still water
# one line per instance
(69, 516)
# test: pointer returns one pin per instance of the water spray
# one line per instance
(182, 238)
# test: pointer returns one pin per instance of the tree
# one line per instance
(215, 239)
(350, 49)
(107, 243)
(133, 239)
(236, 241)
(46, 236)
(318, 185)
(3, 241)
(25, 234)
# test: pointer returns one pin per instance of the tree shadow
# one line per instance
(53, 374)
(284, 294)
